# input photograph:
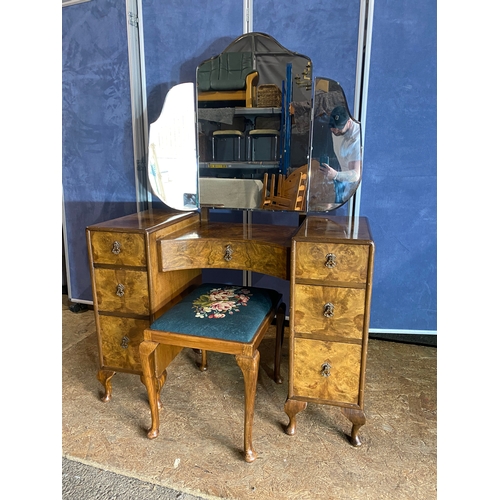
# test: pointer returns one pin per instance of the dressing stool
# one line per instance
(224, 135)
(228, 319)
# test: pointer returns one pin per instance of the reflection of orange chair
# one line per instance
(290, 191)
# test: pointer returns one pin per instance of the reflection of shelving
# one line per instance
(242, 170)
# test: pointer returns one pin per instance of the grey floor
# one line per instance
(83, 482)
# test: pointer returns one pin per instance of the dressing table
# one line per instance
(143, 264)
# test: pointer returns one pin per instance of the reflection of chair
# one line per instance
(219, 318)
(228, 77)
(288, 194)
(227, 135)
(266, 129)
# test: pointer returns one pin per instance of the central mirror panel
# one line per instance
(250, 137)
(269, 135)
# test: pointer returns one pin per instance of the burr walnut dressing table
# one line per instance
(143, 263)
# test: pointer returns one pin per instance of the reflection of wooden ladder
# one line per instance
(288, 194)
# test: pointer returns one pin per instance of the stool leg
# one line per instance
(250, 368)
(280, 334)
(146, 351)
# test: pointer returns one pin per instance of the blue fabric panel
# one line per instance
(98, 174)
(178, 36)
(327, 32)
(219, 311)
(399, 193)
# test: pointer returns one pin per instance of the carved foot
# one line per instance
(250, 368)
(280, 334)
(292, 407)
(104, 376)
(358, 419)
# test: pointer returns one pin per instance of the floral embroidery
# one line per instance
(221, 301)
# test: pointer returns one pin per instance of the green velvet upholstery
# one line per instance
(227, 71)
(228, 312)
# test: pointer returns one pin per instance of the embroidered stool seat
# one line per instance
(227, 319)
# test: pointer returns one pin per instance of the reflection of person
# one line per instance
(347, 148)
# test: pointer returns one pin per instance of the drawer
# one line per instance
(344, 318)
(124, 249)
(331, 261)
(326, 370)
(120, 339)
(122, 291)
(251, 255)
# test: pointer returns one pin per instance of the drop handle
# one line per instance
(228, 254)
(120, 290)
(124, 343)
(325, 369)
(328, 310)
(116, 248)
(330, 260)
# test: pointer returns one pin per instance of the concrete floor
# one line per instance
(198, 451)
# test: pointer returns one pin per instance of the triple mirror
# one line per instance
(258, 132)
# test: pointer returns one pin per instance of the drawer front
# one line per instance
(251, 255)
(328, 371)
(125, 249)
(120, 339)
(330, 311)
(331, 261)
(122, 291)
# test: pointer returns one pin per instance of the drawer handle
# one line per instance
(117, 248)
(325, 370)
(124, 342)
(330, 260)
(228, 255)
(120, 290)
(328, 310)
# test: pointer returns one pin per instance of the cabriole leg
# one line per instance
(358, 419)
(104, 376)
(146, 351)
(292, 407)
(250, 369)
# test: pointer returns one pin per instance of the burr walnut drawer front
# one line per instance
(331, 262)
(124, 249)
(326, 370)
(122, 290)
(120, 339)
(329, 311)
(251, 255)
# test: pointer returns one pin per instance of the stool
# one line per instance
(227, 319)
(235, 135)
(262, 132)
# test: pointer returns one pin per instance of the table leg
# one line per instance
(250, 368)
(358, 419)
(104, 376)
(292, 407)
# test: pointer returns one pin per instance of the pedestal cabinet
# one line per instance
(331, 281)
(129, 289)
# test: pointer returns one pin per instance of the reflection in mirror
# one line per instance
(172, 162)
(248, 141)
(335, 165)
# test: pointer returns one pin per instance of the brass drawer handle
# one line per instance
(328, 310)
(120, 290)
(124, 342)
(228, 255)
(117, 248)
(330, 260)
(325, 370)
